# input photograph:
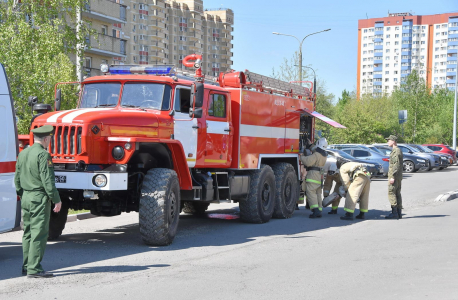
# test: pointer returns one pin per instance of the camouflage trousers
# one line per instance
(394, 193)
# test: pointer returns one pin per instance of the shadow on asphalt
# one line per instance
(214, 228)
(108, 269)
(426, 216)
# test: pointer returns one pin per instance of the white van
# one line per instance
(10, 209)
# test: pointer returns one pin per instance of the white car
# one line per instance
(9, 203)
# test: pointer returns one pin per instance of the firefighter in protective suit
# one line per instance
(332, 176)
(314, 164)
(356, 181)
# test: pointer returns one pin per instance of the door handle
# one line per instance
(195, 126)
(227, 129)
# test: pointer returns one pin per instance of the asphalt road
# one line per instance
(219, 257)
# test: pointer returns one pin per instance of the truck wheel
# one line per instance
(57, 221)
(286, 190)
(409, 166)
(191, 207)
(260, 202)
(159, 210)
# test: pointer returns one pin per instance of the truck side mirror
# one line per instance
(197, 97)
(197, 113)
(58, 99)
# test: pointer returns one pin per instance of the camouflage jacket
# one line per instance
(396, 163)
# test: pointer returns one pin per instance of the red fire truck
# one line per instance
(148, 140)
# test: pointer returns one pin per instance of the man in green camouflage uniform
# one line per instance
(35, 183)
(395, 179)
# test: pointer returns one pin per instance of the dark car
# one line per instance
(412, 163)
(444, 161)
(376, 170)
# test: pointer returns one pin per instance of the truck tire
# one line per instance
(191, 207)
(260, 202)
(286, 190)
(159, 210)
(57, 221)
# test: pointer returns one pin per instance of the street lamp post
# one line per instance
(300, 48)
(314, 77)
(454, 108)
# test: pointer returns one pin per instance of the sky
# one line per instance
(332, 54)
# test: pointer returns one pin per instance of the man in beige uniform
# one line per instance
(314, 164)
(356, 184)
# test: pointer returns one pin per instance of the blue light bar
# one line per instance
(142, 69)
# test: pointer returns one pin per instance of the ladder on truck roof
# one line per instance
(186, 75)
(276, 85)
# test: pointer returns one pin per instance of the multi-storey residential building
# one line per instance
(107, 18)
(158, 32)
(390, 48)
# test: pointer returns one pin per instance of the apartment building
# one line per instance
(390, 48)
(108, 45)
(158, 32)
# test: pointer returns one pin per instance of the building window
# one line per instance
(104, 30)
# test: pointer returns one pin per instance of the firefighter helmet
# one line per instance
(322, 143)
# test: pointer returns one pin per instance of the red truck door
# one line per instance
(219, 130)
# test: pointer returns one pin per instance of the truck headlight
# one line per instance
(117, 152)
(99, 180)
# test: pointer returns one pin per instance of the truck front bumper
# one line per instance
(85, 181)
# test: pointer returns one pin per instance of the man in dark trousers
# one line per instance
(395, 179)
(35, 184)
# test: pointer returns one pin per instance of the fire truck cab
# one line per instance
(146, 139)
(10, 210)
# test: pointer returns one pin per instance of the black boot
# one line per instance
(316, 213)
(297, 206)
(360, 216)
(333, 212)
(394, 213)
(307, 206)
(400, 212)
(348, 216)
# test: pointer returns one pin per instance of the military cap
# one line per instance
(392, 137)
(43, 131)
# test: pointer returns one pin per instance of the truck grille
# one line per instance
(66, 140)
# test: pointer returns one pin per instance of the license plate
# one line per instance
(61, 179)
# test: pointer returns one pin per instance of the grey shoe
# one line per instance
(42, 274)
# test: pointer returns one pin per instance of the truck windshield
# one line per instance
(146, 95)
(100, 95)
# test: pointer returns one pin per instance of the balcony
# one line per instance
(156, 54)
(156, 44)
(106, 45)
(157, 34)
(105, 10)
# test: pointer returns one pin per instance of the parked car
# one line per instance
(376, 170)
(371, 156)
(444, 160)
(412, 163)
(441, 148)
(406, 149)
(343, 146)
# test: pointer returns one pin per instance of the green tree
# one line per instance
(415, 97)
(36, 39)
